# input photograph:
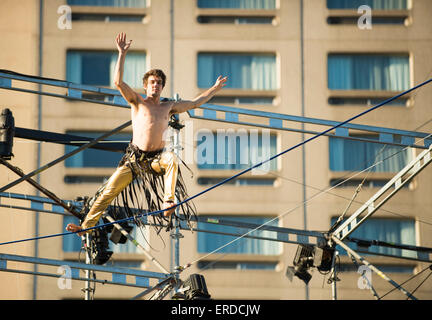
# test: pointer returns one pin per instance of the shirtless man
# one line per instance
(150, 119)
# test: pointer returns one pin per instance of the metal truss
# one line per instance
(118, 275)
(402, 178)
(273, 233)
(342, 231)
(276, 121)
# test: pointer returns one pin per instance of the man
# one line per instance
(146, 152)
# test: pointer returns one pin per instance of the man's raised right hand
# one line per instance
(122, 45)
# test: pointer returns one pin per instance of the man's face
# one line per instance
(154, 86)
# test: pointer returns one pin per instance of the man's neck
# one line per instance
(154, 99)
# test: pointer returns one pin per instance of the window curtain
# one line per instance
(98, 67)
(351, 155)
(109, 3)
(231, 150)
(208, 242)
(253, 72)
(260, 152)
(93, 158)
(73, 67)
(368, 72)
(237, 4)
(134, 68)
(388, 230)
(77, 160)
(374, 4)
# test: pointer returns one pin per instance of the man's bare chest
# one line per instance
(151, 113)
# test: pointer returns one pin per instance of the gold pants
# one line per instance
(122, 177)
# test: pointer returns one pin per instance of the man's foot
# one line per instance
(168, 204)
(74, 228)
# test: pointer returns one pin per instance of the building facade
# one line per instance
(319, 59)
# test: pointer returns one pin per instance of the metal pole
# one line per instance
(39, 126)
(172, 47)
(303, 150)
(375, 294)
(176, 221)
(334, 278)
(176, 235)
(88, 273)
(48, 193)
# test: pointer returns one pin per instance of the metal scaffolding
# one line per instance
(169, 281)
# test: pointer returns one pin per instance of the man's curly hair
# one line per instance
(154, 72)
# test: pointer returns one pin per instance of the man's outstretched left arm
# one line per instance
(183, 106)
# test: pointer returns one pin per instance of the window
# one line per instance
(368, 72)
(105, 17)
(79, 178)
(353, 20)
(237, 265)
(207, 19)
(93, 158)
(385, 12)
(386, 268)
(231, 11)
(109, 3)
(237, 4)
(125, 264)
(97, 68)
(71, 243)
(245, 71)
(353, 155)
(236, 150)
(208, 242)
(238, 182)
(394, 231)
(123, 10)
(249, 100)
(368, 183)
(374, 4)
(343, 101)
